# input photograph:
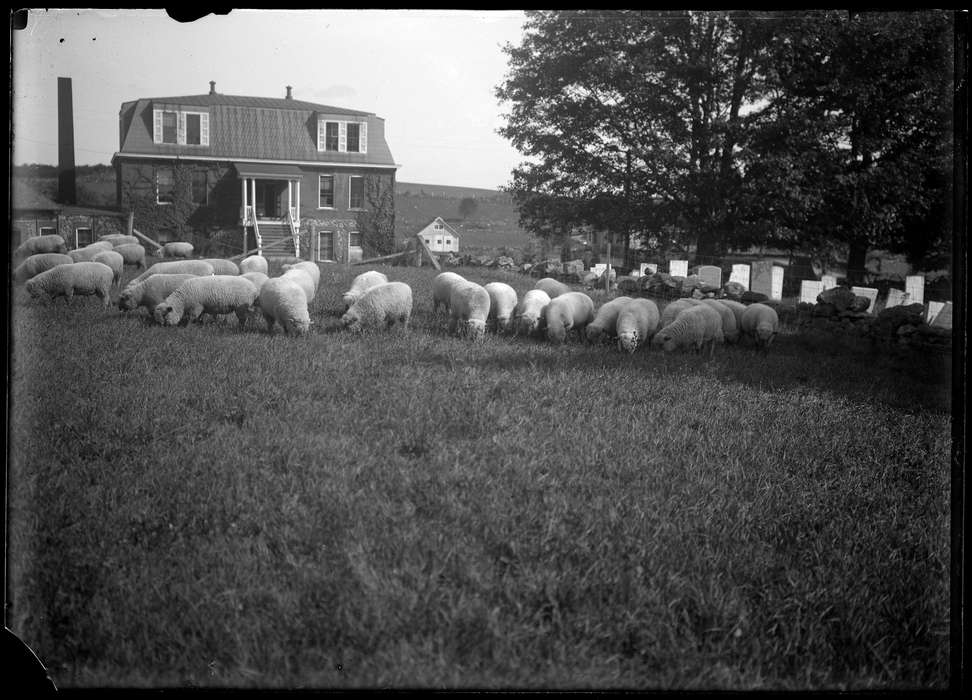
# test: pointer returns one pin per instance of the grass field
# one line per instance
(203, 506)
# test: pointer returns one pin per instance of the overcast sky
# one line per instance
(430, 74)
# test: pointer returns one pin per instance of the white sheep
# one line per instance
(502, 305)
(133, 254)
(311, 268)
(282, 300)
(737, 309)
(468, 310)
(256, 277)
(303, 280)
(636, 324)
(85, 254)
(113, 260)
(38, 263)
(80, 278)
(47, 243)
(176, 267)
(673, 309)
(254, 263)
(552, 287)
(730, 328)
(694, 327)
(117, 239)
(213, 294)
(222, 266)
(380, 307)
(761, 323)
(361, 284)
(567, 312)
(176, 249)
(529, 318)
(150, 292)
(605, 320)
(101, 245)
(442, 287)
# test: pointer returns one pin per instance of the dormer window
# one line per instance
(335, 135)
(181, 127)
(169, 127)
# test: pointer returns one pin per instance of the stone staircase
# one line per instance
(276, 237)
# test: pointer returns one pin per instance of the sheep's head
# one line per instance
(32, 288)
(126, 300)
(165, 315)
(297, 326)
(557, 333)
(351, 321)
(525, 325)
(665, 341)
(348, 300)
(475, 328)
(764, 335)
(593, 333)
(628, 341)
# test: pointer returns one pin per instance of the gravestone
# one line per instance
(761, 277)
(895, 298)
(740, 275)
(829, 281)
(599, 268)
(809, 289)
(943, 319)
(868, 292)
(647, 269)
(915, 287)
(777, 284)
(934, 308)
(678, 267)
(710, 275)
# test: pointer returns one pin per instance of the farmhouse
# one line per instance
(439, 236)
(34, 214)
(240, 174)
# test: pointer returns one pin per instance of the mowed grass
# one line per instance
(202, 506)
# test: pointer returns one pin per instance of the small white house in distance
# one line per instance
(440, 237)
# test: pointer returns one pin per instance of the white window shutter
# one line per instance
(204, 129)
(181, 128)
(363, 137)
(342, 136)
(157, 131)
(321, 133)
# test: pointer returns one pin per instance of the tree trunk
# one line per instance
(856, 261)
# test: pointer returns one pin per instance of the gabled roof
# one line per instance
(441, 221)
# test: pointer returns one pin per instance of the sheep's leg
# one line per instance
(241, 314)
(269, 319)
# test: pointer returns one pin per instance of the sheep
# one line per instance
(38, 263)
(737, 309)
(468, 310)
(222, 266)
(254, 263)
(256, 277)
(442, 289)
(85, 254)
(133, 253)
(605, 319)
(150, 292)
(730, 328)
(282, 300)
(47, 243)
(80, 278)
(502, 305)
(761, 323)
(175, 267)
(673, 309)
(213, 294)
(176, 249)
(361, 284)
(380, 307)
(529, 317)
(117, 239)
(304, 280)
(567, 312)
(552, 287)
(311, 268)
(100, 245)
(694, 327)
(113, 260)
(636, 324)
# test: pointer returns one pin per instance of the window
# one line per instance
(82, 237)
(354, 137)
(448, 241)
(164, 186)
(325, 245)
(428, 241)
(169, 127)
(342, 136)
(48, 231)
(356, 192)
(200, 187)
(354, 239)
(193, 131)
(438, 241)
(326, 192)
(438, 227)
(331, 136)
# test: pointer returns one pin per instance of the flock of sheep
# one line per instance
(176, 292)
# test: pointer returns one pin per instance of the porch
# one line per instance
(270, 210)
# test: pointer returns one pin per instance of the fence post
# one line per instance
(607, 270)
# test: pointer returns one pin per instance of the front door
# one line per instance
(268, 199)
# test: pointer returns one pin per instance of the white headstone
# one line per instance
(869, 292)
(895, 298)
(647, 269)
(652, 268)
(829, 282)
(740, 275)
(678, 268)
(809, 289)
(934, 308)
(599, 268)
(915, 286)
(777, 283)
(943, 319)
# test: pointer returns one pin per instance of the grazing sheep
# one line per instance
(502, 305)
(117, 239)
(254, 263)
(304, 280)
(48, 243)
(176, 267)
(730, 328)
(38, 263)
(530, 316)
(761, 323)
(101, 245)
(361, 284)
(605, 320)
(737, 309)
(380, 307)
(442, 287)
(80, 278)
(85, 254)
(468, 310)
(673, 309)
(636, 324)
(694, 327)
(150, 292)
(282, 300)
(222, 266)
(256, 277)
(311, 268)
(552, 287)
(213, 294)
(176, 249)
(113, 260)
(133, 254)
(567, 312)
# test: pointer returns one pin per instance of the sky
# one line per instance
(431, 74)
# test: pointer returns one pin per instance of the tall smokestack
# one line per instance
(66, 189)
(289, 95)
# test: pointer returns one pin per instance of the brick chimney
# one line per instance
(66, 187)
(289, 96)
(212, 87)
